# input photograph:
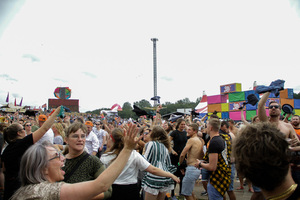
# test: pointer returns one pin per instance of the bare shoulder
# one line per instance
(196, 140)
(287, 125)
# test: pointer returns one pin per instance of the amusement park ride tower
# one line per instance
(154, 68)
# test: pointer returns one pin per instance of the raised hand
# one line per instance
(130, 139)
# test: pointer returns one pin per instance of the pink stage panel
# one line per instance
(236, 115)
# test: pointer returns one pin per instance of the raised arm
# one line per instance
(38, 134)
(89, 189)
(261, 110)
(243, 117)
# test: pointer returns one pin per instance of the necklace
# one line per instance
(285, 194)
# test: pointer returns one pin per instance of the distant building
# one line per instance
(72, 104)
(63, 94)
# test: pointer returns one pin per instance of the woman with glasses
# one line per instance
(18, 143)
(41, 173)
(126, 184)
(81, 166)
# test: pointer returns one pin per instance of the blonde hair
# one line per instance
(59, 127)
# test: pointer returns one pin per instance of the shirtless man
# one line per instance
(295, 121)
(274, 113)
(232, 128)
(194, 150)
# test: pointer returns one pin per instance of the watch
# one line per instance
(200, 164)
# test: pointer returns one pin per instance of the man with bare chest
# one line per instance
(274, 117)
(194, 150)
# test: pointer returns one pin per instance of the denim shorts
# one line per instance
(232, 177)
(205, 174)
(213, 193)
(191, 175)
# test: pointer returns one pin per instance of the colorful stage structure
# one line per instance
(231, 98)
(63, 95)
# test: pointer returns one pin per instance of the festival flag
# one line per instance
(44, 105)
(15, 102)
(21, 102)
(7, 98)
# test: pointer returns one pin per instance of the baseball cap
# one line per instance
(42, 118)
(89, 123)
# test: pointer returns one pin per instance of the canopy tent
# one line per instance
(201, 108)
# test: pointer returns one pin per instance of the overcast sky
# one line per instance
(102, 50)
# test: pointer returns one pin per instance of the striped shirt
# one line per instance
(158, 155)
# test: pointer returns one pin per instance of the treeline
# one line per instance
(168, 107)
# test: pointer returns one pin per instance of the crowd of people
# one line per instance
(85, 157)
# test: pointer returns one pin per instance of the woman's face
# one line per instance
(110, 141)
(54, 129)
(21, 131)
(56, 161)
(165, 125)
(147, 136)
(76, 141)
(181, 126)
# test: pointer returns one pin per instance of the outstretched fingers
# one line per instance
(130, 136)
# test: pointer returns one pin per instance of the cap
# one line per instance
(252, 99)
(89, 123)
(42, 118)
(287, 108)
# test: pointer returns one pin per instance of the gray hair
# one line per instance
(33, 163)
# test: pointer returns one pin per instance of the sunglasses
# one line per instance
(28, 125)
(97, 124)
(275, 106)
(146, 133)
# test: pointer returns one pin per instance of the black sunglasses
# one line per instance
(275, 106)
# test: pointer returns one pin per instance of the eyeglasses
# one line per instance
(76, 136)
(57, 155)
(275, 106)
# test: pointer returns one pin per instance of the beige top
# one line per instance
(44, 190)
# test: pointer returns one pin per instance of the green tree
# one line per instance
(142, 103)
(297, 96)
(126, 112)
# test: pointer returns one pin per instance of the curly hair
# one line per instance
(262, 155)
